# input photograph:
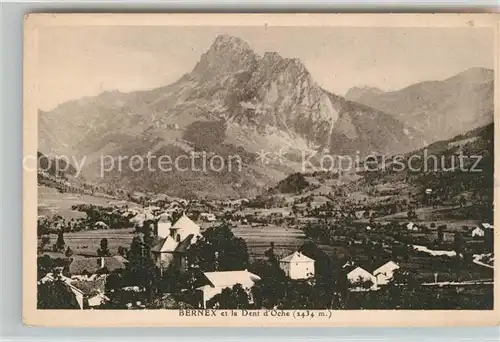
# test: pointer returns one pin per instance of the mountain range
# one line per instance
(437, 109)
(235, 101)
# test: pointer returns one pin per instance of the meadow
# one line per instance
(259, 238)
(87, 242)
(52, 202)
(440, 215)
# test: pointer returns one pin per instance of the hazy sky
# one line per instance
(81, 61)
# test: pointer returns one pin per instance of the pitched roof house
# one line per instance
(209, 217)
(385, 272)
(297, 266)
(487, 225)
(89, 266)
(477, 232)
(360, 279)
(411, 226)
(89, 294)
(217, 281)
(173, 241)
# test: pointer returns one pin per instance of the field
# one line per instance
(427, 215)
(52, 202)
(92, 238)
(265, 212)
(426, 267)
(258, 239)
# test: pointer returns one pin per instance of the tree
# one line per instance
(403, 291)
(122, 251)
(412, 214)
(60, 244)
(270, 291)
(231, 298)
(141, 270)
(104, 250)
(45, 241)
(43, 226)
(361, 283)
(45, 264)
(301, 294)
(56, 295)
(458, 244)
(441, 230)
(271, 257)
(69, 252)
(219, 249)
(462, 201)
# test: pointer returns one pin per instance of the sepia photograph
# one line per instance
(259, 169)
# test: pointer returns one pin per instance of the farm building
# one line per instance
(385, 272)
(448, 236)
(100, 225)
(207, 217)
(88, 294)
(360, 279)
(170, 249)
(487, 226)
(297, 266)
(86, 267)
(477, 232)
(411, 226)
(217, 281)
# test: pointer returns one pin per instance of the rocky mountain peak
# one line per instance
(226, 55)
(225, 42)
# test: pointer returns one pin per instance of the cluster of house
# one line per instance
(477, 232)
(85, 280)
(361, 279)
(170, 251)
(295, 266)
(171, 247)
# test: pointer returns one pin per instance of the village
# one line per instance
(310, 249)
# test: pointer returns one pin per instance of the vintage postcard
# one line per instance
(260, 170)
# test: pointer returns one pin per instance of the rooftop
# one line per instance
(297, 257)
(186, 223)
(92, 265)
(231, 278)
(179, 247)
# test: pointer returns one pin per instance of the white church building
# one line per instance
(173, 241)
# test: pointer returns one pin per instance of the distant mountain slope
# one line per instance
(438, 109)
(438, 167)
